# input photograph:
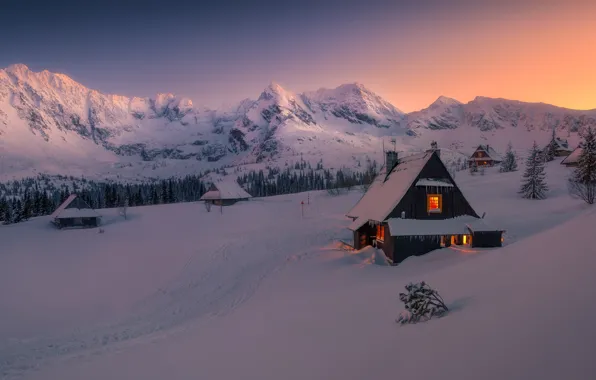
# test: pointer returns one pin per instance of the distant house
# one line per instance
(413, 207)
(75, 212)
(225, 193)
(571, 159)
(484, 155)
(561, 148)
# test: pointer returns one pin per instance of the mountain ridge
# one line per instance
(49, 117)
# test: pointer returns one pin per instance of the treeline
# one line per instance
(28, 198)
(31, 197)
(288, 181)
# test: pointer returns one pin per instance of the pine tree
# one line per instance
(583, 180)
(550, 151)
(509, 163)
(534, 185)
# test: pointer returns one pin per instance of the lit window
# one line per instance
(434, 203)
(380, 233)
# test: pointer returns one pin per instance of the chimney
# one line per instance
(434, 147)
(391, 160)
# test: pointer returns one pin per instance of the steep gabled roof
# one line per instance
(572, 157)
(386, 191)
(490, 152)
(74, 207)
(562, 144)
(226, 190)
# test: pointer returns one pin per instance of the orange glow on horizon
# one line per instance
(534, 54)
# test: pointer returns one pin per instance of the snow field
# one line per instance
(258, 292)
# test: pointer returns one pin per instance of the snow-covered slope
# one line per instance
(496, 121)
(50, 123)
(278, 300)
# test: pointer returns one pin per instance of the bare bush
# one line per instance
(208, 206)
(583, 191)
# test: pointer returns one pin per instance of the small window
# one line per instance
(380, 232)
(434, 203)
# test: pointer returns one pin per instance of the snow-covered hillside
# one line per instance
(495, 122)
(176, 292)
(51, 124)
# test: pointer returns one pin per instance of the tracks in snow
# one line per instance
(210, 284)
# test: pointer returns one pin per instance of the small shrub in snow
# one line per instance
(422, 303)
(335, 191)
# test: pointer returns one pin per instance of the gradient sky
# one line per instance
(410, 52)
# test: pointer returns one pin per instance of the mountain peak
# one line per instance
(18, 69)
(443, 100)
(274, 90)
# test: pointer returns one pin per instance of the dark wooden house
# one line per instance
(561, 147)
(571, 159)
(75, 212)
(413, 207)
(484, 155)
(225, 193)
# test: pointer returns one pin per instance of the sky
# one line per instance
(410, 52)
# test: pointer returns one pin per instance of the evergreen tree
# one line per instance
(509, 163)
(8, 218)
(583, 180)
(534, 179)
(550, 151)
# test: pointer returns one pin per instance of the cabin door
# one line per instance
(363, 240)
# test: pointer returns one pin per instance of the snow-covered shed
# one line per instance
(485, 155)
(571, 159)
(225, 193)
(413, 207)
(75, 212)
(561, 147)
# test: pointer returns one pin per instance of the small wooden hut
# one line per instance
(225, 193)
(75, 212)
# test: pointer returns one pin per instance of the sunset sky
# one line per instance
(409, 52)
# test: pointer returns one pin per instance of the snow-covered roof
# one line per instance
(490, 152)
(74, 207)
(386, 191)
(454, 226)
(480, 225)
(433, 182)
(562, 144)
(573, 156)
(226, 190)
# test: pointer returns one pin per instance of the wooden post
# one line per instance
(220, 206)
(308, 197)
(302, 208)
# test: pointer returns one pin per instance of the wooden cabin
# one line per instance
(571, 159)
(561, 147)
(225, 193)
(413, 207)
(484, 155)
(75, 212)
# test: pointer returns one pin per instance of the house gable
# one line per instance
(414, 203)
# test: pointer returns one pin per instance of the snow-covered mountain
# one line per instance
(50, 123)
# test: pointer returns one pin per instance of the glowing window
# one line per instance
(380, 232)
(434, 202)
